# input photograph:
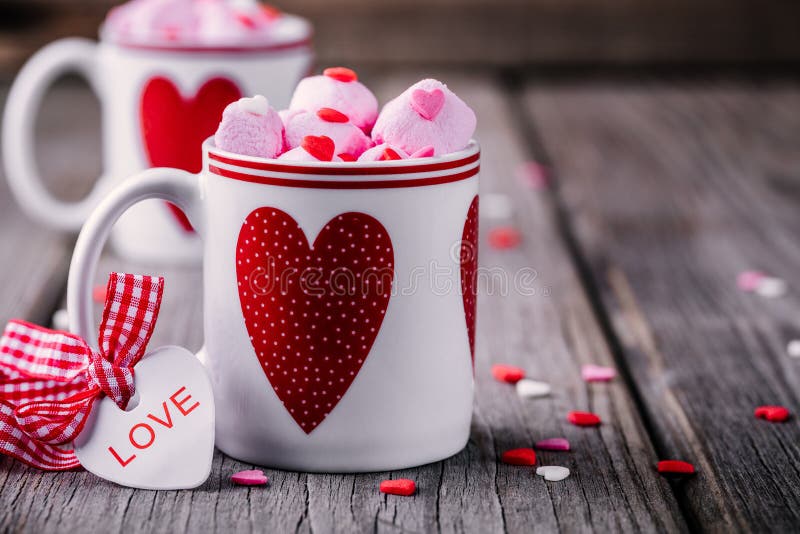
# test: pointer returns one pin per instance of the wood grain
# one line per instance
(551, 332)
(671, 191)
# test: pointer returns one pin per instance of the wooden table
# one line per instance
(662, 192)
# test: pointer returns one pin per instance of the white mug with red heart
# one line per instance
(339, 303)
(158, 104)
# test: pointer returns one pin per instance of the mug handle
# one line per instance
(174, 185)
(24, 100)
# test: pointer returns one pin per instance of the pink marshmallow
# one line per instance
(250, 127)
(300, 154)
(383, 152)
(426, 114)
(350, 97)
(347, 137)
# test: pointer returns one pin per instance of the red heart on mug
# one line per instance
(174, 127)
(427, 103)
(312, 312)
(469, 272)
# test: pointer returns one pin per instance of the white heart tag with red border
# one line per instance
(166, 441)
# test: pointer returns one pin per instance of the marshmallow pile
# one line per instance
(200, 23)
(334, 117)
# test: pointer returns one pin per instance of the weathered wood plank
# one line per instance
(551, 332)
(671, 191)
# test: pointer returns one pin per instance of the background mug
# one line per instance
(339, 303)
(158, 105)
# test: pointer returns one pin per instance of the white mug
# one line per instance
(158, 106)
(338, 303)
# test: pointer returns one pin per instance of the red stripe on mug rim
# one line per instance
(460, 159)
(348, 184)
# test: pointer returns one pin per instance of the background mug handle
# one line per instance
(23, 103)
(179, 187)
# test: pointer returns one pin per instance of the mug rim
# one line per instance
(452, 167)
(302, 41)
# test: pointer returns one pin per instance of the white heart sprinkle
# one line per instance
(60, 320)
(552, 473)
(495, 206)
(770, 287)
(528, 388)
(793, 348)
(258, 105)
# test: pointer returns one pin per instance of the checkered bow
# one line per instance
(49, 379)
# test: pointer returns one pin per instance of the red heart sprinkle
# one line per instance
(776, 414)
(344, 156)
(400, 486)
(343, 74)
(504, 237)
(331, 115)
(319, 146)
(270, 12)
(519, 457)
(99, 293)
(583, 418)
(389, 155)
(508, 373)
(245, 21)
(252, 477)
(675, 467)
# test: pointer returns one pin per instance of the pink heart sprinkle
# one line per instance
(253, 477)
(553, 444)
(533, 175)
(596, 373)
(749, 280)
(427, 103)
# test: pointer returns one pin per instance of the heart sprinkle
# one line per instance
(519, 457)
(427, 103)
(553, 444)
(675, 467)
(776, 414)
(400, 486)
(583, 419)
(553, 473)
(529, 389)
(99, 293)
(258, 105)
(770, 287)
(793, 348)
(596, 373)
(344, 156)
(60, 320)
(389, 155)
(533, 175)
(319, 146)
(749, 280)
(342, 74)
(331, 115)
(253, 477)
(504, 237)
(496, 206)
(507, 373)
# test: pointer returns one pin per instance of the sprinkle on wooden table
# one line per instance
(399, 486)
(597, 373)
(529, 389)
(793, 348)
(675, 467)
(60, 320)
(99, 293)
(519, 457)
(771, 287)
(553, 473)
(749, 280)
(250, 477)
(495, 206)
(504, 238)
(533, 174)
(507, 373)
(583, 419)
(553, 444)
(775, 414)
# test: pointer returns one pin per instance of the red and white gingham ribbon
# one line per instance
(49, 379)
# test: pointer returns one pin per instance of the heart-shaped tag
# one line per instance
(319, 146)
(427, 103)
(166, 441)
